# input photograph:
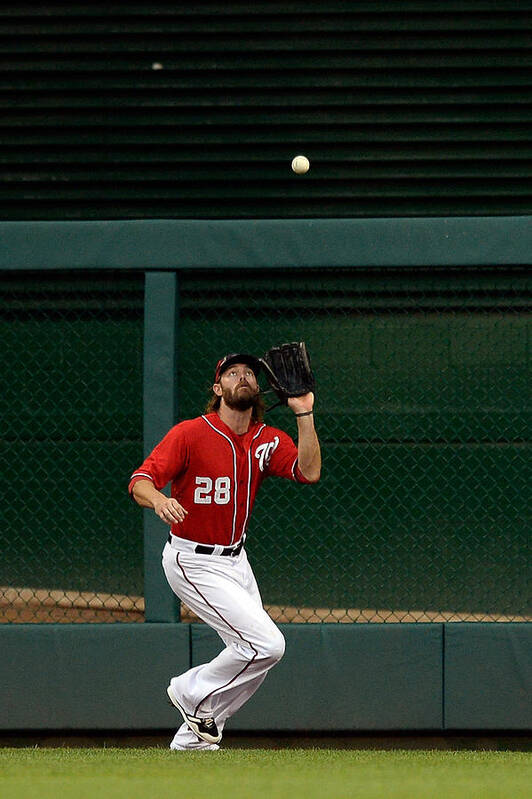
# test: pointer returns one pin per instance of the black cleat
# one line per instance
(204, 728)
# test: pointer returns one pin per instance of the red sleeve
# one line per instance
(283, 461)
(165, 462)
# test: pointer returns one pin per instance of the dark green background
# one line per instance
(71, 410)
(423, 381)
(414, 108)
(410, 110)
(423, 415)
(422, 410)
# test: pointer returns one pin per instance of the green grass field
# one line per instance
(98, 773)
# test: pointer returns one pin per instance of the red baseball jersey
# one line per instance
(215, 474)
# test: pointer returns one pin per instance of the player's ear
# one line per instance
(217, 389)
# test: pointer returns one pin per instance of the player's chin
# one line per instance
(243, 399)
(243, 404)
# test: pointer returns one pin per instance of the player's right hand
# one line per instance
(170, 511)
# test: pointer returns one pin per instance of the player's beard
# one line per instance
(239, 400)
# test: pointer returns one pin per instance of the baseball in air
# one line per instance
(300, 164)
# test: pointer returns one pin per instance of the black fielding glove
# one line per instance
(288, 370)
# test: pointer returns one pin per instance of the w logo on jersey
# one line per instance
(264, 452)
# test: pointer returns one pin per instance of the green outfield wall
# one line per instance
(150, 222)
(419, 332)
(333, 677)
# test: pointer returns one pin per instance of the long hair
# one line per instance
(258, 406)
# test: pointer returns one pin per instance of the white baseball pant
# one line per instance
(223, 592)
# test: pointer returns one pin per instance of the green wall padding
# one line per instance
(332, 677)
(261, 244)
(344, 677)
(90, 676)
(488, 674)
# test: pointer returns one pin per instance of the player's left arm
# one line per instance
(308, 446)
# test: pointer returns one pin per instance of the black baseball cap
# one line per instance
(235, 357)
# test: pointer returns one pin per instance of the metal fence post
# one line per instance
(160, 387)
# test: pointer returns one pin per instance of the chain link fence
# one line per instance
(71, 410)
(423, 412)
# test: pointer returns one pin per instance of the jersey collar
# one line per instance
(215, 420)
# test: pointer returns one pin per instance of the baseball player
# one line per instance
(216, 463)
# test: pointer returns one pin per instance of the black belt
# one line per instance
(205, 549)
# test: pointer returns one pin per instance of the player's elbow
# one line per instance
(133, 492)
(311, 475)
(138, 494)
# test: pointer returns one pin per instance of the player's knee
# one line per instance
(275, 647)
